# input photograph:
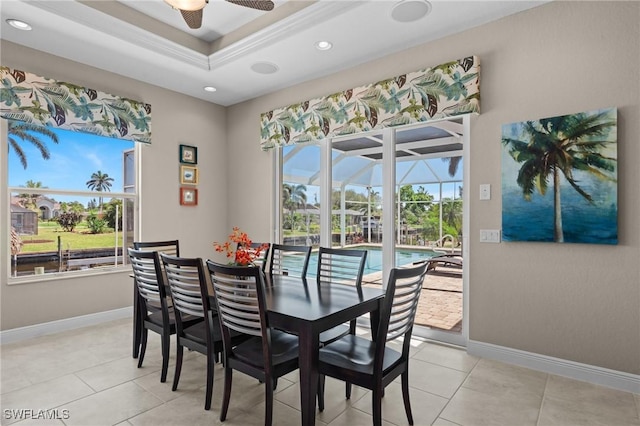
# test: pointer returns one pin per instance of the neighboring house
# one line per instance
(24, 221)
(49, 208)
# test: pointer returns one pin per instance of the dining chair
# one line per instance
(263, 259)
(282, 263)
(190, 295)
(149, 279)
(341, 266)
(171, 247)
(372, 364)
(270, 353)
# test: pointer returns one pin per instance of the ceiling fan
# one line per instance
(191, 10)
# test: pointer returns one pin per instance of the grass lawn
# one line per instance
(80, 238)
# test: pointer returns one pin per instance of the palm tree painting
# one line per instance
(559, 179)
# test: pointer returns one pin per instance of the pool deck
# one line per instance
(440, 305)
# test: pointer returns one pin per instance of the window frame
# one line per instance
(63, 275)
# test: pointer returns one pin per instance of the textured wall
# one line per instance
(577, 302)
(176, 119)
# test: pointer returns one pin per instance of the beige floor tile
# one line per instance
(40, 422)
(446, 356)
(425, 407)
(334, 398)
(475, 407)
(192, 377)
(111, 406)
(637, 398)
(113, 373)
(442, 422)
(188, 409)
(354, 417)
(499, 379)
(568, 401)
(47, 395)
(435, 379)
(57, 363)
(13, 379)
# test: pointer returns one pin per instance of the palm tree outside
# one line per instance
(20, 131)
(100, 182)
(552, 149)
(27, 200)
(294, 196)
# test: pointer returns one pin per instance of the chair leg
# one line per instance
(268, 397)
(210, 369)
(347, 390)
(165, 356)
(176, 375)
(377, 407)
(143, 346)
(228, 376)
(321, 379)
(405, 396)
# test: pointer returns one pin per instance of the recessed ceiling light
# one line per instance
(210, 89)
(323, 45)
(410, 10)
(21, 25)
(264, 67)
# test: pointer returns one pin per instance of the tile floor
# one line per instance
(87, 377)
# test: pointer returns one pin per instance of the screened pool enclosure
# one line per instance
(427, 188)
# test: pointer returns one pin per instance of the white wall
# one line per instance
(176, 119)
(577, 302)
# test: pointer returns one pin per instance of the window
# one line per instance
(73, 200)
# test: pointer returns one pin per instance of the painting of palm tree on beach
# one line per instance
(559, 179)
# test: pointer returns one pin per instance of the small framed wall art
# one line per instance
(188, 175)
(188, 154)
(188, 196)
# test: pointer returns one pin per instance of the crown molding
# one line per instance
(280, 30)
(92, 18)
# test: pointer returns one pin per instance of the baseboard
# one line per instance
(28, 332)
(574, 370)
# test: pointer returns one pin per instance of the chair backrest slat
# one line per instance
(187, 285)
(170, 247)
(282, 259)
(147, 273)
(399, 307)
(341, 265)
(237, 298)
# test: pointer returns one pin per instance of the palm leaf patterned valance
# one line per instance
(43, 101)
(442, 91)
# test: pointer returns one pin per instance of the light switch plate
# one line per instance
(485, 191)
(489, 235)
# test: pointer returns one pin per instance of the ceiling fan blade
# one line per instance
(193, 18)
(266, 5)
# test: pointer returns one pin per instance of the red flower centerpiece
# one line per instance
(238, 247)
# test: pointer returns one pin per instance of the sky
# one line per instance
(73, 160)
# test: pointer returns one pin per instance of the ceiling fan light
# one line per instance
(190, 5)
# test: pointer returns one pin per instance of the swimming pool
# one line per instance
(373, 264)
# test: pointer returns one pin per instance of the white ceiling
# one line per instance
(148, 41)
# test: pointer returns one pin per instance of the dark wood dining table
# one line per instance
(306, 308)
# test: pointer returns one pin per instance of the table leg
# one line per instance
(308, 364)
(137, 329)
(374, 318)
